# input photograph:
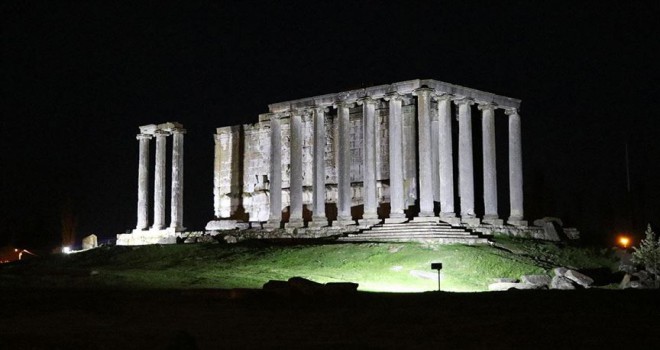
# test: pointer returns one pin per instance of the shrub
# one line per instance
(648, 253)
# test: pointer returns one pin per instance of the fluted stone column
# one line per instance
(515, 169)
(295, 179)
(275, 217)
(425, 161)
(177, 180)
(218, 209)
(143, 183)
(465, 162)
(318, 201)
(160, 180)
(343, 166)
(370, 196)
(397, 202)
(489, 164)
(446, 166)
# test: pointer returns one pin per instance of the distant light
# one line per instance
(66, 250)
(623, 241)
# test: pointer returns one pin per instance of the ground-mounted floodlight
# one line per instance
(437, 266)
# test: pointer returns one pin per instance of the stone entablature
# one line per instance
(382, 144)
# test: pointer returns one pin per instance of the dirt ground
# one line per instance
(217, 319)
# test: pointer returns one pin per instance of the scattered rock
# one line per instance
(559, 271)
(625, 282)
(396, 268)
(230, 239)
(304, 286)
(536, 280)
(561, 282)
(340, 288)
(579, 278)
(543, 221)
(93, 272)
(394, 249)
(506, 280)
(500, 286)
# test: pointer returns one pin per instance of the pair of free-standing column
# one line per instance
(160, 181)
(426, 162)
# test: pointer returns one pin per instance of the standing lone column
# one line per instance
(275, 217)
(446, 160)
(465, 162)
(425, 162)
(318, 202)
(370, 197)
(343, 166)
(295, 179)
(177, 180)
(160, 180)
(143, 183)
(396, 160)
(515, 169)
(490, 164)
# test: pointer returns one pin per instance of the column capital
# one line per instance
(394, 95)
(510, 111)
(463, 101)
(367, 100)
(424, 90)
(143, 137)
(482, 106)
(161, 133)
(343, 103)
(320, 109)
(442, 96)
(178, 131)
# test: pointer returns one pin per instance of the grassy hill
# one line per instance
(389, 267)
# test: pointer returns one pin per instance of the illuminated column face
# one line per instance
(396, 159)
(370, 197)
(425, 153)
(343, 166)
(465, 162)
(160, 180)
(295, 180)
(318, 201)
(446, 163)
(143, 183)
(177, 181)
(489, 164)
(515, 169)
(275, 172)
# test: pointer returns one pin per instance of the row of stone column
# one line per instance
(431, 146)
(176, 209)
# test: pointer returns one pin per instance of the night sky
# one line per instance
(78, 79)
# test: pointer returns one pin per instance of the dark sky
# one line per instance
(79, 77)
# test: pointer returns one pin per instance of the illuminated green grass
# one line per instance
(396, 267)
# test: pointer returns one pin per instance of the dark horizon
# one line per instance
(81, 77)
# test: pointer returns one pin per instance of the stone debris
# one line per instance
(563, 278)
(561, 282)
(298, 286)
(536, 280)
(579, 278)
(89, 242)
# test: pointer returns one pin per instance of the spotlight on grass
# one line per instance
(66, 250)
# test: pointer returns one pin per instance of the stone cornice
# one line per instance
(143, 136)
(402, 88)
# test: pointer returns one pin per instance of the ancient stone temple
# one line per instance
(386, 154)
(158, 232)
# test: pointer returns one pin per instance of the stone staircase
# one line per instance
(412, 231)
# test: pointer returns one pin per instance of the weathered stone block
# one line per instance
(536, 280)
(560, 282)
(579, 278)
(89, 242)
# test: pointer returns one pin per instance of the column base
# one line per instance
(396, 220)
(177, 228)
(454, 221)
(295, 223)
(426, 214)
(471, 221)
(369, 221)
(434, 219)
(493, 221)
(343, 221)
(221, 225)
(516, 221)
(320, 221)
(272, 225)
